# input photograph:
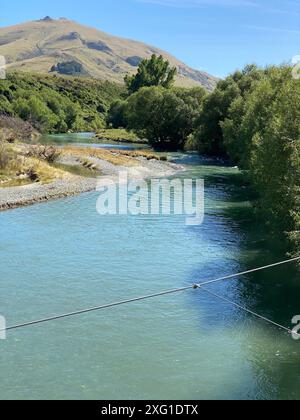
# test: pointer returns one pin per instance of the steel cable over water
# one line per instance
(164, 293)
(247, 310)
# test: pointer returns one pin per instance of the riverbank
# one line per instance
(118, 135)
(26, 195)
(96, 164)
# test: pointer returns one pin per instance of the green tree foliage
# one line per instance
(237, 128)
(152, 72)
(166, 117)
(229, 93)
(254, 118)
(57, 104)
(272, 128)
(21, 108)
(116, 114)
(41, 116)
(5, 98)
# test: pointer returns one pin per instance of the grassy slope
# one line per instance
(38, 45)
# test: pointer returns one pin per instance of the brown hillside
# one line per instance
(40, 45)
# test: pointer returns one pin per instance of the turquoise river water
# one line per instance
(62, 256)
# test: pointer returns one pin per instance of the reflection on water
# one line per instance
(62, 256)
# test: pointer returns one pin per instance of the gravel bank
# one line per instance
(34, 193)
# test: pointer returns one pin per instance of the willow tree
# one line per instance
(166, 117)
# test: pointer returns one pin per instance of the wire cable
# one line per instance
(151, 296)
(254, 270)
(97, 308)
(247, 310)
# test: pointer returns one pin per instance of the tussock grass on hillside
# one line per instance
(36, 47)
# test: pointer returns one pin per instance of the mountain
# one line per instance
(66, 47)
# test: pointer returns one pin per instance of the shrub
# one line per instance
(47, 153)
(5, 155)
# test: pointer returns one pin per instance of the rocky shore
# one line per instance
(13, 197)
(34, 193)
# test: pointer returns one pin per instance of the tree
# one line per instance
(249, 114)
(209, 133)
(166, 117)
(151, 72)
(116, 114)
(229, 93)
(272, 115)
(253, 118)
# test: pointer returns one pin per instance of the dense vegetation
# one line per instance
(253, 118)
(57, 104)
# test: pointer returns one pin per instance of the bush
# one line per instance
(13, 129)
(47, 153)
(5, 155)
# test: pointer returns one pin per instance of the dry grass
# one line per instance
(142, 154)
(46, 153)
(118, 135)
(15, 129)
(5, 156)
(112, 156)
(22, 164)
(16, 168)
(45, 172)
(78, 170)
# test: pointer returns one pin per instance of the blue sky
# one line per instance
(217, 36)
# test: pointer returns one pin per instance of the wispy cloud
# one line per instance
(269, 29)
(275, 6)
(199, 3)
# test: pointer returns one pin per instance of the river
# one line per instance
(62, 256)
